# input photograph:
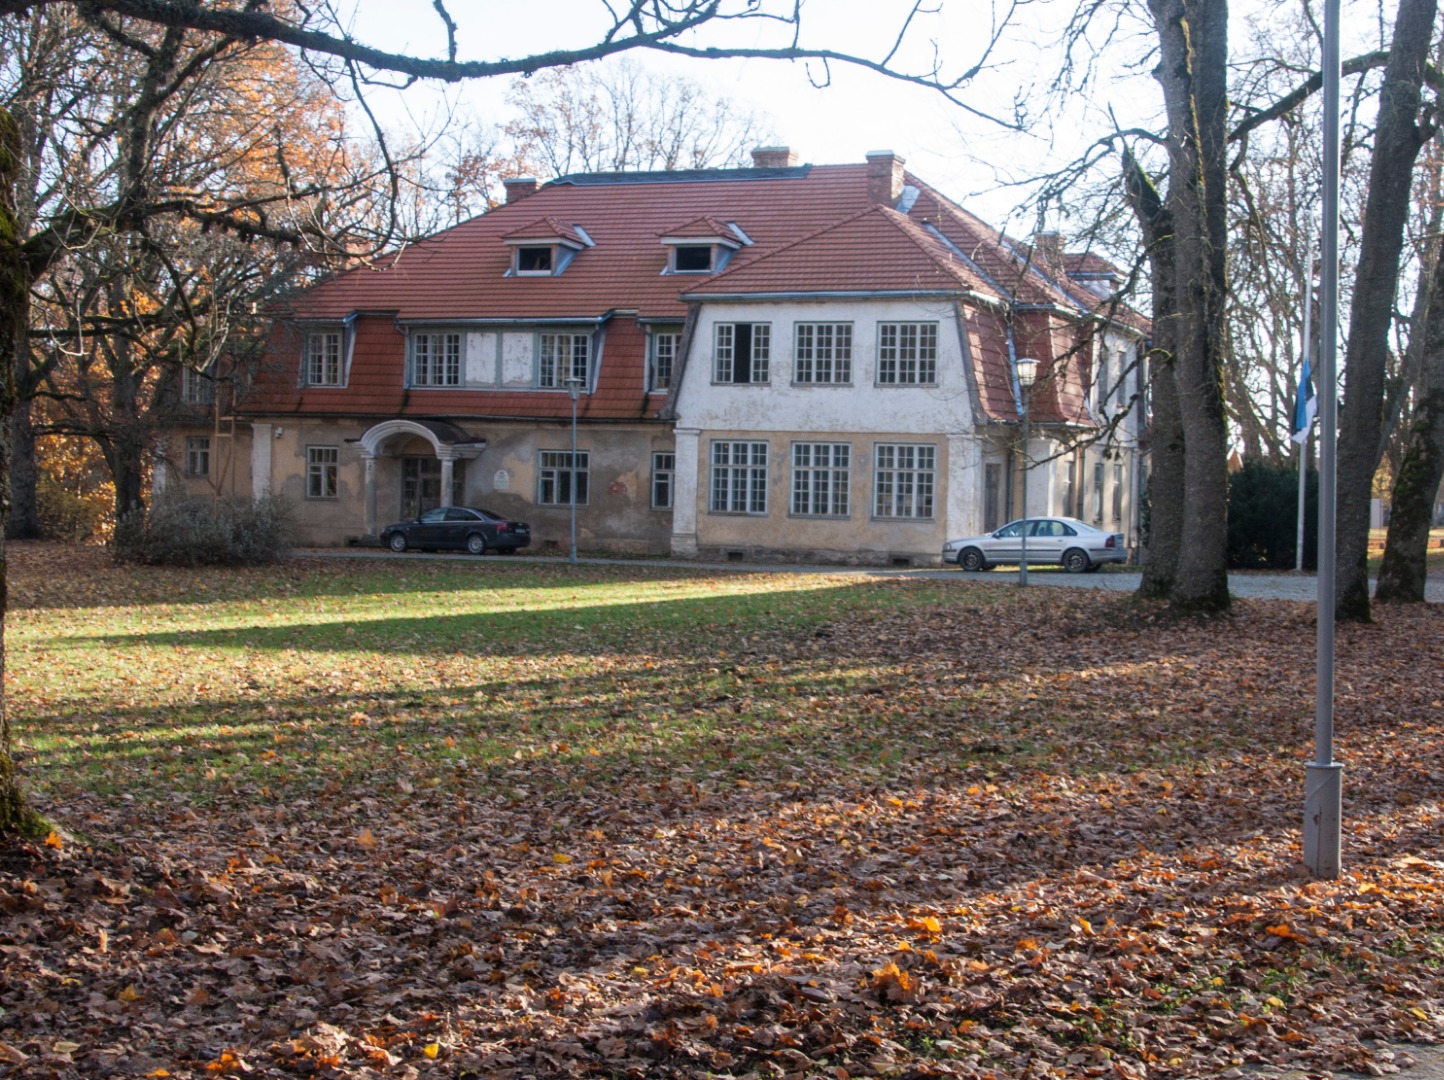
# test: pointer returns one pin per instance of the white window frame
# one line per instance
(904, 485)
(551, 268)
(664, 479)
(198, 455)
(198, 387)
(821, 480)
(662, 343)
(324, 357)
(822, 354)
(711, 250)
(907, 354)
(724, 353)
(436, 359)
(562, 355)
(557, 475)
(323, 467)
(738, 483)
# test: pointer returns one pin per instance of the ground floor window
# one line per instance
(903, 481)
(821, 477)
(664, 468)
(1118, 495)
(198, 455)
(559, 475)
(421, 485)
(739, 478)
(992, 497)
(322, 464)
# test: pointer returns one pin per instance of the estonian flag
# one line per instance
(1305, 407)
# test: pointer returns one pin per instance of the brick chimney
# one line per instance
(1048, 249)
(884, 176)
(519, 187)
(774, 157)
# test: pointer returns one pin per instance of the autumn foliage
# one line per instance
(461, 818)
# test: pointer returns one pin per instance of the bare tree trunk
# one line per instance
(24, 520)
(1165, 438)
(1405, 568)
(1397, 140)
(15, 278)
(1192, 70)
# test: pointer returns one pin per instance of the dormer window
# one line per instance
(703, 246)
(545, 248)
(534, 260)
(692, 259)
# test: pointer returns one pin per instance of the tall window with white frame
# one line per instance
(198, 455)
(739, 477)
(435, 359)
(821, 479)
(822, 354)
(198, 387)
(907, 353)
(663, 359)
(903, 480)
(741, 353)
(322, 466)
(323, 358)
(664, 470)
(1118, 496)
(558, 474)
(561, 357)
(1098, 493)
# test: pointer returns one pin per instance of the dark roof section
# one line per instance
(679, 176)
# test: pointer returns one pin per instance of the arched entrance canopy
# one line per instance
(449, 442)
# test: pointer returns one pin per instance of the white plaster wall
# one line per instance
(863, 406)
(481, 359)
(516, 359)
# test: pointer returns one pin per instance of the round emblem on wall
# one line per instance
(501, 481)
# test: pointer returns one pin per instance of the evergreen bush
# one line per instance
(1263, 501)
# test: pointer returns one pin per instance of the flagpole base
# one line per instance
(1323, 812)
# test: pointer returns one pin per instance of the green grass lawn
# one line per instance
(494, 818)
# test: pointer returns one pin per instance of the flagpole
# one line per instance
(1304, 441)
(1324, 783)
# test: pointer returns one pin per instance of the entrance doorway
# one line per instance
(421, 485)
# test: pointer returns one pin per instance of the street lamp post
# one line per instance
(1027, 371)
(574, 387)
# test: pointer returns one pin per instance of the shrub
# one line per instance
(66, 515)
(1263, 502)
(182, 530)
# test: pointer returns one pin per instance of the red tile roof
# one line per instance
(813, 229)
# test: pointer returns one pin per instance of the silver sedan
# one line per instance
(1067, 542)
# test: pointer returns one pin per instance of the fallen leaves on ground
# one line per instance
(961, 831)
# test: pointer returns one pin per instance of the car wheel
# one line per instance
(397, 542)
(1076, 561)
(476, 544)
(971, 559)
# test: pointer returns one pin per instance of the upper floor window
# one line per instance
(198, 455)
(537, 260)
(741, 352)
(662, 359)
(198, 387)
(562, 358)
(323, 358)
(822, 353)
(692, 258)
(907, 354)
(435, 359)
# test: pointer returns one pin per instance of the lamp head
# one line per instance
(1027, 370)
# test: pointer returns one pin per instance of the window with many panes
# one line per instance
(436, 359)
(1118, 494)
(559, 475)
(822, 353)
(322, 464)
(323, 358)
(741, 352)
(664, 468)
(907, 354)
(198, 455)
(1098, 491)
(562, 357)
(821, 474)
(198, 387)
(903, 480)
(739, 477)
(663, 360)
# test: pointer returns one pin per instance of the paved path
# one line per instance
(1258, 586)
